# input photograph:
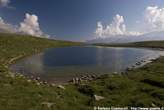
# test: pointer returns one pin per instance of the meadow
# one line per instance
(141, 87)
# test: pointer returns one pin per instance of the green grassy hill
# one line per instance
(140, 87)
(14, 46)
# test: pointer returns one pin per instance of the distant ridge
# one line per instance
(126, 39)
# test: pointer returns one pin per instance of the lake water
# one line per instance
(62, 64)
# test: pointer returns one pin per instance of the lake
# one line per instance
(63, 64)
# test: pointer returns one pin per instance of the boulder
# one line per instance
(29, 80)
(53, 85)
(61, 87)
(97, 98)
(48, 104)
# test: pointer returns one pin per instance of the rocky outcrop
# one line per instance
(97, 98)
(84, 78)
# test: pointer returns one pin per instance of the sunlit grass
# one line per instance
(140, 87)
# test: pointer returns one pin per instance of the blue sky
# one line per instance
(77, 19)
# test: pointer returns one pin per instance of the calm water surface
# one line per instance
(62, 64)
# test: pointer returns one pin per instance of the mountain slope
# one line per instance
(125, 39)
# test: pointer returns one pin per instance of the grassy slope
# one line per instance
(13, 47)
(18, 94)
(140, 87)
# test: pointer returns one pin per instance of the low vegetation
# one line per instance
(142, 87)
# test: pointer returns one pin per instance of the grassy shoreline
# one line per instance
(13, 46)
(142, 87)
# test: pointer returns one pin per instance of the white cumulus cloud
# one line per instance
(6, 27)
(100, 29)
(4, 3)
(30, 26)
(154, 17)
(115, 28)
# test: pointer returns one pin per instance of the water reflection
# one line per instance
(61, 63)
